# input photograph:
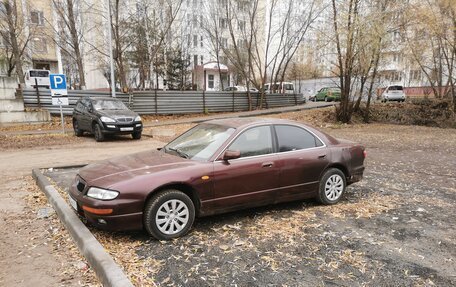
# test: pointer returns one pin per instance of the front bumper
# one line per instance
(122, 128)
(126, 213)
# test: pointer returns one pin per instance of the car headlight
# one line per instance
(103, 194)
(138, 119)
(107, 120)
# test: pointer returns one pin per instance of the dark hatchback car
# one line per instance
(215, 167)
(105, 116)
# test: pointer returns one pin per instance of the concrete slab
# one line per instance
(13, 105)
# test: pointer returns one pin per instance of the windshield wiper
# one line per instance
(179, 152)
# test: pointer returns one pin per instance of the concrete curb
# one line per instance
(108, 272)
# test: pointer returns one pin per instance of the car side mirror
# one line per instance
(231, 154)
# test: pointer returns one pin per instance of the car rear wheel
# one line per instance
(169, 214)
(77, 131)
(136, 135)
(332, 186)
(99, 136)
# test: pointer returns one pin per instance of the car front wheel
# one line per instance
(77, 131)
(99, 136)
(169, 214)
(136, 135)
(332, 186)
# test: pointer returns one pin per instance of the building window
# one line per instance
(396, 36)
(223, 42)
(202, 59)
(195, 41)
(210, 81)
(195, 20)
(39, 45)
(195, 60)
(396, 76)
(201, 41)
(36, 17)
(4, 36)
(243, 5)
(415, 75)
(397, 58)
(223, 23)
(241, 25)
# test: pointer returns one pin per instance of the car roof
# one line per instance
(240, 123)
(245, 122)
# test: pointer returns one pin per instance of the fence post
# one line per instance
(37, 93)
(295, 98)
(233, 101)
(155, 99)
(204, 101)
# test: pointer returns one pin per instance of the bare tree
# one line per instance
(13, 32)
(431, 43)
(70, 37)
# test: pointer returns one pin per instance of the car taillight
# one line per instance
(364, 153)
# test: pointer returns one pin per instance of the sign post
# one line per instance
(59, 93)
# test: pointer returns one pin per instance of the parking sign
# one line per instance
(59, 91)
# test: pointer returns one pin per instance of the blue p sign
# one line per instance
(57, 81)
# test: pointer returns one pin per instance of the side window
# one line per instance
(254, 141)
(79, 106)
(292, 138)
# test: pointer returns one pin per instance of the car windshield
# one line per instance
(288, 87)
(396, 88)
(200, 142)
(108, 105)
(335, 90)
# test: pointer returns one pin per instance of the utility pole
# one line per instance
(111, 58)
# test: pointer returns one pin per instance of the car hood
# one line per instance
(109, 172)
(117, 113)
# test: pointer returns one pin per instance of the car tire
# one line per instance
(99, 136)
(332, 186)
(136, 135)
(77, 131)
(161, 221)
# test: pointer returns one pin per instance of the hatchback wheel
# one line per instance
(99, 136)
(169, 214)
(77, 132)
(332, 186)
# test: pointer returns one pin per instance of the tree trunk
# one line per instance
(11, 13)
(76, 43)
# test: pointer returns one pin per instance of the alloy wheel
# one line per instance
(172, 217)
(334, 187)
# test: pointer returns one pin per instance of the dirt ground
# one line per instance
(395, 228)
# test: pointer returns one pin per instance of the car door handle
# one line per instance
(321, 156)
(268, 164)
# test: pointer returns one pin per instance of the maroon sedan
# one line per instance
(215, 167)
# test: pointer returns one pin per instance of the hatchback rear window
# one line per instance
(396, 88)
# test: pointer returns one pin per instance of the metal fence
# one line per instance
(167, 102)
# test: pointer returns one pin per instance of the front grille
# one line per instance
(80, 185)
(124, 120)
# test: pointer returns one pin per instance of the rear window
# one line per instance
(396, 88)
(40, 74)
(288, 87)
